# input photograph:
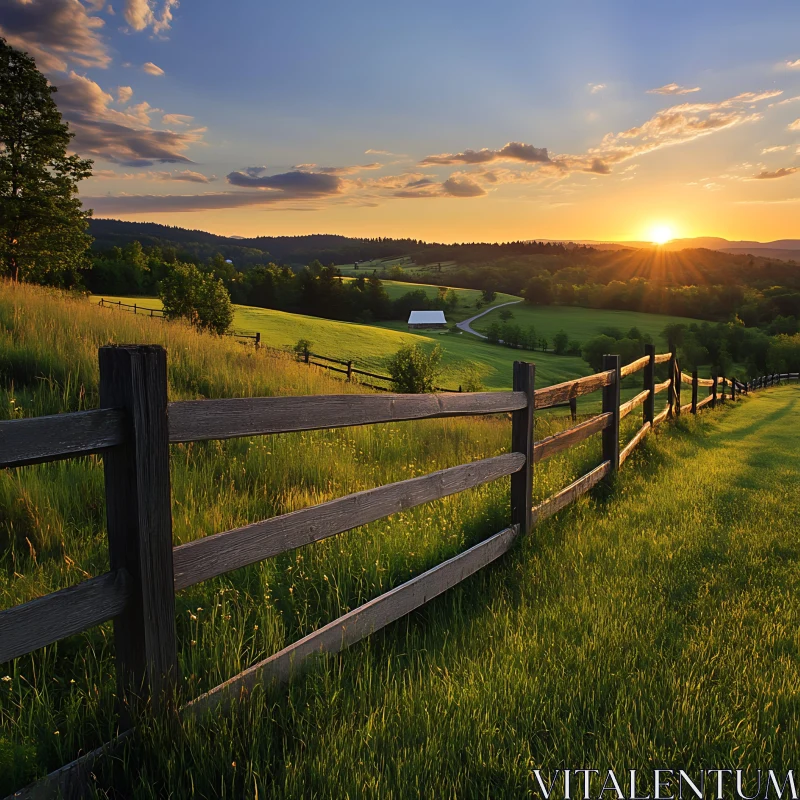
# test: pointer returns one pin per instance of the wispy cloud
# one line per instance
(124, 137)
(793, 64)
(794, 126)
(774, 149)
(55, 32)
(186, 175)
(124, 94)
(783, 172)
(673, 88)
(513, 151)
(594, 88)
(289, 185)
(151, 69)
(177, 119)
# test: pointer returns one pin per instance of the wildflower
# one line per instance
(6, 678)
(193, 642)
(255, 627)
(192, 617)
(56, 733)
(233, 763)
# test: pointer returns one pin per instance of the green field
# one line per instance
(654, 622)
(369, 346)
(583, 323)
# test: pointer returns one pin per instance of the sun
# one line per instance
(661, 234)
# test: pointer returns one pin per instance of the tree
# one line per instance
(43, 235)
(539, 291)
(489, 295)
(414, 369)
(202, 299)
(561, 342)
(506, 314)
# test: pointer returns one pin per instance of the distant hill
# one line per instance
(785, 249)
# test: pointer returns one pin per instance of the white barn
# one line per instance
(426, 319)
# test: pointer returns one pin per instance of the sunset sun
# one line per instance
(661, 234)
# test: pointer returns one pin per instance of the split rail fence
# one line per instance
(133, 430)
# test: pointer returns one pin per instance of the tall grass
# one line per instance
(60, 700)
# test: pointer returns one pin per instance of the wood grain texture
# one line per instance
(631, 446)
(524, 379)
(562, 392)
(662, 358)
(197, 420)
(657, 420)
(38, 439)
(705, 382)
(635, 366)
(565, 439)
(214, 555)
(359, 623)
(40, 622)
(634, 402)
(660, 387)
(138, 510)
(687, 379)
(572, 492)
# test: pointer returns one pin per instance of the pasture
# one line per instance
(583, 323)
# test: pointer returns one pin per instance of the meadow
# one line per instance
(654, 622)
(583, 323)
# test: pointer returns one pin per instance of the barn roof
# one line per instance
(427, 318)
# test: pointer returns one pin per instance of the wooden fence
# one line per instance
(133, 429)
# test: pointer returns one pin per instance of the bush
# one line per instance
(561, 342)
(413, 369)
(302, 347)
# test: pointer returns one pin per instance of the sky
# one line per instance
(438, 120)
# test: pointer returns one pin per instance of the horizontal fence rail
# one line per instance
(143, 580)
(197, 420)
(214, 555)
(38, 439)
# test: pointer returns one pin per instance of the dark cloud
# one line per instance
(54, 32)
(513, 151)
(409, 195)
(290, 184)
(783, 172)
(600, 167)
(420, 182)
(462, 187)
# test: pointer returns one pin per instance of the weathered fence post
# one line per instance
(522, 442)
(258, 339)
(611, 405)
(349, 370)
(102, 301)
(722, 396)
(573, 408)
(694, 391)
(134, 309)
(671, 390)
(733, 389)
(714, 391)
(678, 381)
(134, 378)
(648, 409)
(306, 355)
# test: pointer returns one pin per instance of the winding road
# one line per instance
(466, 324)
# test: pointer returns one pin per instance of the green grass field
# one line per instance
(652, 623)
(583, 323)
(369, 346)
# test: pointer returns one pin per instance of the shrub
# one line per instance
(413, 369)
(302, 347)
(202, 299)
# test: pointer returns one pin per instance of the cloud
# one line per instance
(160, 176)
(774, 149)
(124, 137)
(372, 152)
(513, 151)
(351, 170)
(289, 184)
(594, 88)
(794, 126)
(140, 14)
(462, 187)
(54, 32)
(151, 69)
(783, 172)
(673, 88)
(177, 119)
(124, 93)
(793, 64)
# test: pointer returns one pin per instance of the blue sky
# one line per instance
(366, 118)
